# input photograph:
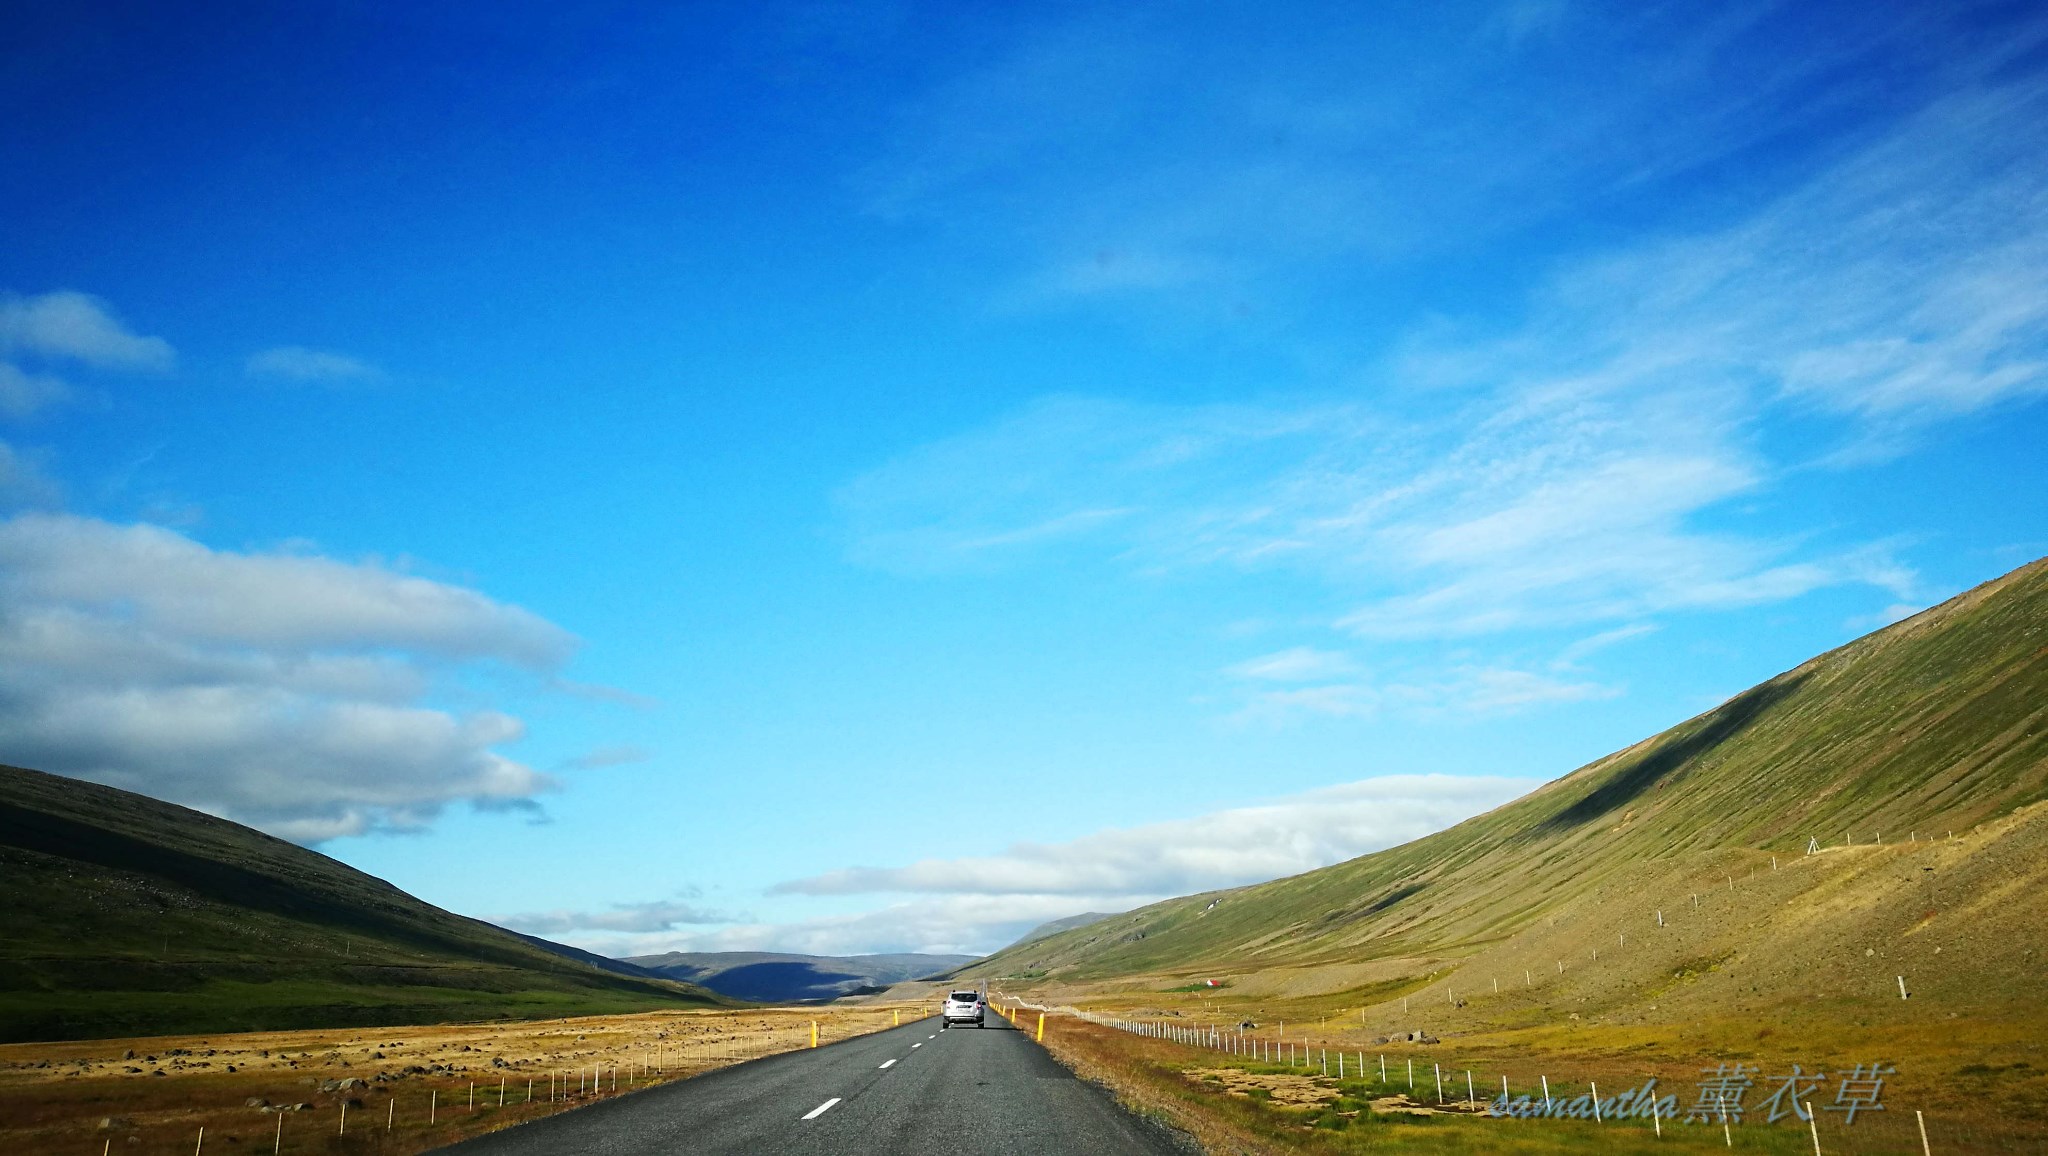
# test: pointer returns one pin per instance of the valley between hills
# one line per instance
(1841, 868)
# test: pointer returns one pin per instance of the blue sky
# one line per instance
(875, 479)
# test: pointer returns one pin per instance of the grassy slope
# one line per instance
(1528, 939)
(1935, 723)
(123, 915)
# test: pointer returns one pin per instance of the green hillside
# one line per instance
(123, 915)
(1936, 724)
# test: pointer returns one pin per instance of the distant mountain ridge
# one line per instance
(125, 915)
(775, 977)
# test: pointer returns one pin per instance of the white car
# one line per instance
(962, 1007)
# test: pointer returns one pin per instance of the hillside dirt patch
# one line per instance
(1277, 1088)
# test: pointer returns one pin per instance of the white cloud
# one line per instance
(69, 326)
(300, 364)
(23, 393)
(978, 904)
(1295, 664)
(289, 691)
(23, 484)
(936, 925)
(629, 918)
(154, 579)
(1896, 612)
(72, 325)
(1224, 849)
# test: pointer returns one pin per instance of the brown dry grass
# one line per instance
(159, 1092)
(1235, 1105)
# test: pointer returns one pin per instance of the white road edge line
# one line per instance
(821, 1109)
(888, 1063)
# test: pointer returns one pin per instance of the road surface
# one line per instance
(908, 1091)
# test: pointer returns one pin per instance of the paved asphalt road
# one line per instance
(908, 1091)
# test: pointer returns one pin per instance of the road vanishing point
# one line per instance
(909, 1091)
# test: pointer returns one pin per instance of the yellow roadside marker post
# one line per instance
(1041, 1027)
(814, 1033)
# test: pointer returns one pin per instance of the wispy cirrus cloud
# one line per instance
(282, 689)
(1568, 658)
(296, 363)
(1554, 507)
(1464, 690)
(1904, 285)
(1198, 169)
(1577, 469)
(624, 918)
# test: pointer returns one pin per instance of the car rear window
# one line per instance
(966, 996)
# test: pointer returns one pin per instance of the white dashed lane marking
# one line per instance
(821, 1109)
(888, 1064)
(917, 1045)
